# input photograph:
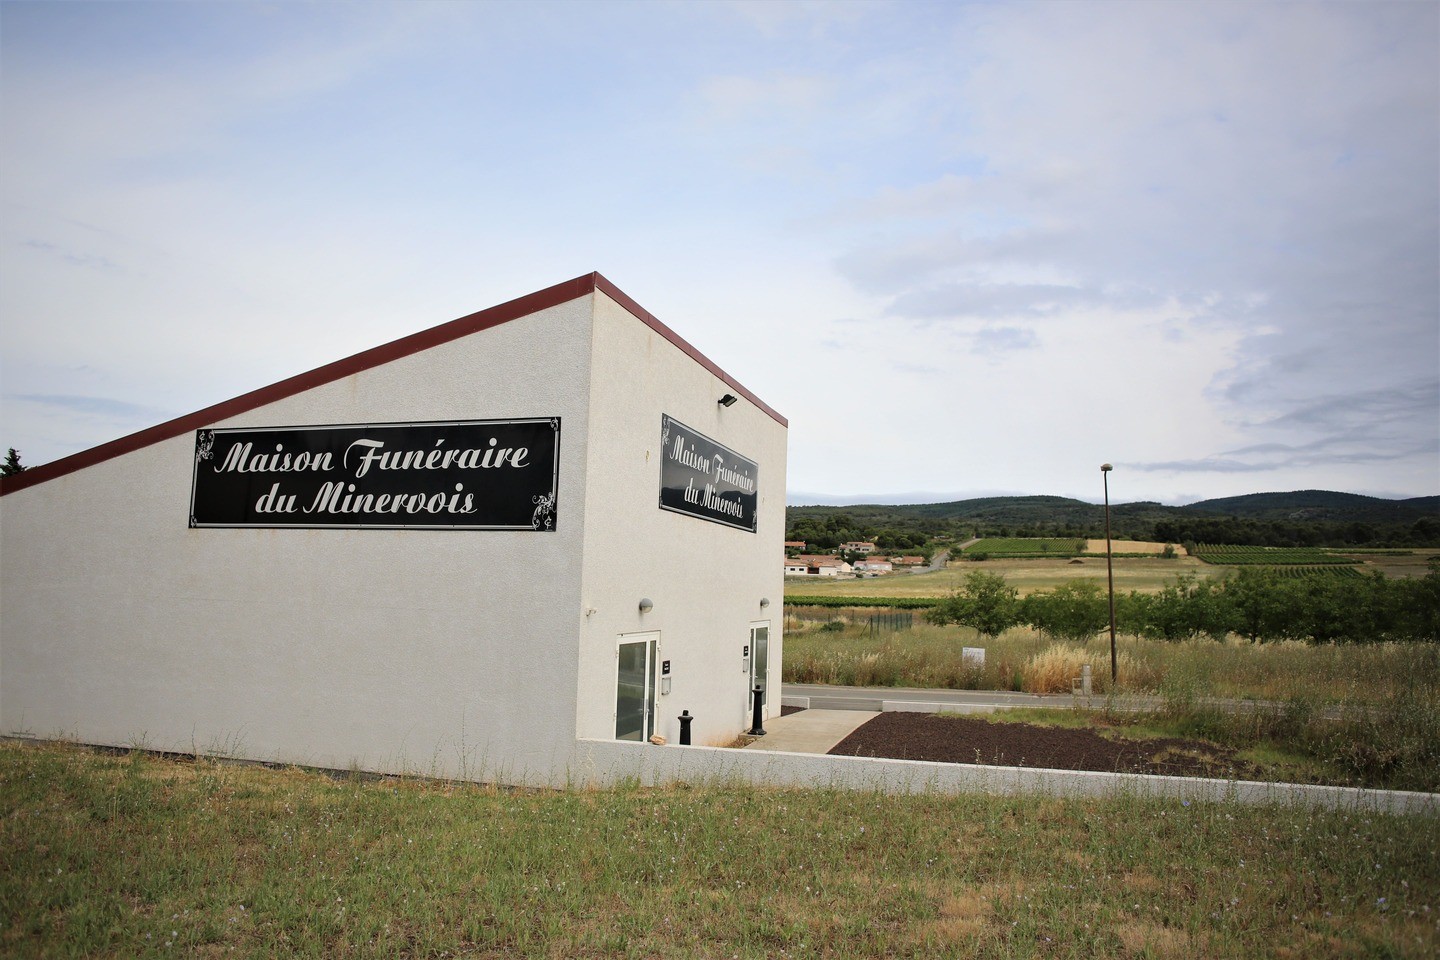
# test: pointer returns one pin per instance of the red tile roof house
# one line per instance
(404, 561)
(857, 546)
(823, 565)
(874, 565)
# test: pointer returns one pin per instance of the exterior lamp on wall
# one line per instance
(646, 605)
(728, 399)
(764, 602)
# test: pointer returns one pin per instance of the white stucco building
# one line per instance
(464, 553)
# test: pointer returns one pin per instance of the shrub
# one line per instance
(984, 602)
(1072, 611)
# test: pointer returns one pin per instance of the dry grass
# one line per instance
(135, 856)
(1027, 576)
(1053, 669)
(1411, 563)
(1097, 547)
(1140, 938)
(963, 917)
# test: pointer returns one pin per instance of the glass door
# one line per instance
(635, 688)
(759, 662)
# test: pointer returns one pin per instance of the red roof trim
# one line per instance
(374, 357)
(619, 296)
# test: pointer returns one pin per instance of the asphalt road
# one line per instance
(825, 697)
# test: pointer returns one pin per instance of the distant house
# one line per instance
(798, 545)
(874, 565)
(857, 546)
(796, 568)
(908, 561)
(817, 565)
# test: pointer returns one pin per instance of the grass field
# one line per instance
(1142, 574)
(1387, 694)
(1027, 546)
(1267, 556)
(930, 656)
(1400, 563)
(134, 856)
(1097, 547)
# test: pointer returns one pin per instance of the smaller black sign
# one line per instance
(706, 479)
(458, 475)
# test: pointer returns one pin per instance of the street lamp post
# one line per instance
(1105, 469)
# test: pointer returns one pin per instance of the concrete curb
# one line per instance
(917, 706)
(603, 762)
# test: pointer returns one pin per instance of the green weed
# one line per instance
(256, 862)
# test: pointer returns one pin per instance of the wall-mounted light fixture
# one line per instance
(728, 399)
(646, 605)
(764, 602)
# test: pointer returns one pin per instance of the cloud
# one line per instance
(105, 408)
(992, 300)
(1226, 212)
(1266, 457)
(993, 341)
(1270, 169)
(1371, 411)
(732, 99)
(91, 261)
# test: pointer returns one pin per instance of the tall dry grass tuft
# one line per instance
(1052, 669)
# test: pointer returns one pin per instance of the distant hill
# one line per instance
(1321, 505)
(1301, 517)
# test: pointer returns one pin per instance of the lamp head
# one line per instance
(1106, 468)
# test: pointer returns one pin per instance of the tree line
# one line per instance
(1257, 603)
(828, 532)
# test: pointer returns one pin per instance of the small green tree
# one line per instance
(1186, 608)
(1262, 606)
(12, 464)
(1072, 611)
(1416, 605)
(983, 601)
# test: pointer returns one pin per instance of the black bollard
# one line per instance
(758, 720)
(685, 719)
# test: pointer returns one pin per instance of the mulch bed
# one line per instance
(923, 736)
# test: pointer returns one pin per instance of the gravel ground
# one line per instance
(923, 736)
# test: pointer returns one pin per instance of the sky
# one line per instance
(966, 249)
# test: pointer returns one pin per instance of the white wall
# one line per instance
(598, 763)
(434, 652)
(706, 579)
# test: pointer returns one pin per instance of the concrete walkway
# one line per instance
(810, 731)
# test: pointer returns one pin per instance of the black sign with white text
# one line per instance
(463, 475)
(706, 479)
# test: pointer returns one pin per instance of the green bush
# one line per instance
(1072, 611)
(984, 601)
